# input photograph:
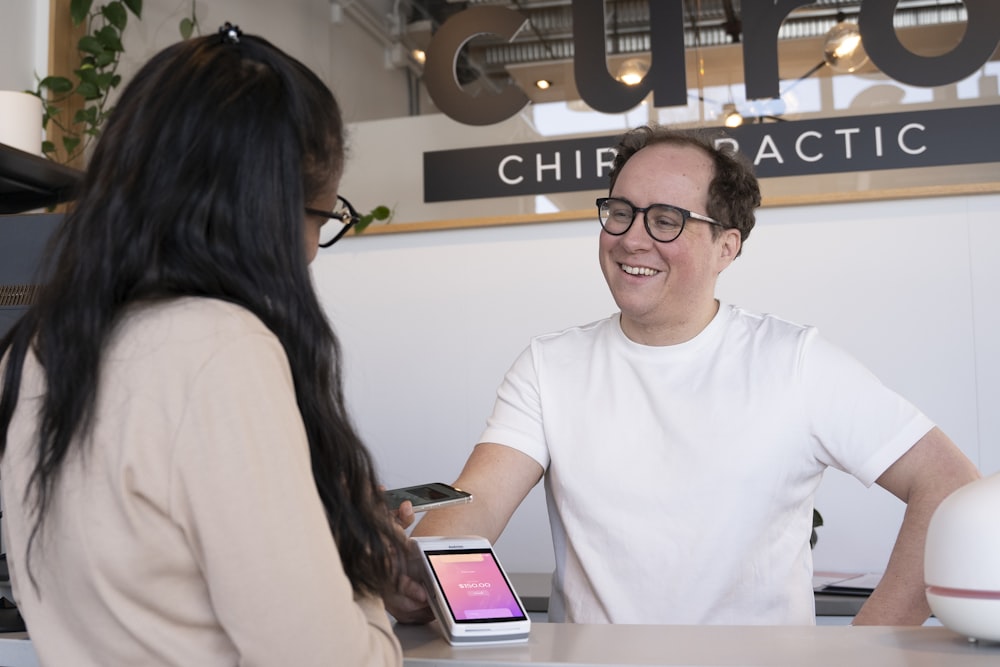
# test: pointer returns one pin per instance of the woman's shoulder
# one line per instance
(195, 314)
(187, 324)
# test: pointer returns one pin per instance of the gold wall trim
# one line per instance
(768, 202)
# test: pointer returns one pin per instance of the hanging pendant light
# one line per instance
(842, 49)
(731, 117)
(632, 71)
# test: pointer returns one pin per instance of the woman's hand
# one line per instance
(408, 603)
(405, 516)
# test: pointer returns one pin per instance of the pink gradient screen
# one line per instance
(474, 586)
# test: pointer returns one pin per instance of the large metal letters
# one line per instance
(666, 78)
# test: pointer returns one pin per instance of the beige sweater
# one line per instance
(189, 532)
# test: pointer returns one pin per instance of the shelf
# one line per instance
(29, 182)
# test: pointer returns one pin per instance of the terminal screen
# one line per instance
(474, 586)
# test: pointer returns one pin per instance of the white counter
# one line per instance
(534, 589)
(553, 644)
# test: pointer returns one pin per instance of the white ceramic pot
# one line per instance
(962, 560)
(21, 121)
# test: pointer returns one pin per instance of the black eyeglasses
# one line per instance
(664, 222)
(338, 222)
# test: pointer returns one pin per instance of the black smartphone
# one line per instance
(427, 496)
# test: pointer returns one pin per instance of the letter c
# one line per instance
(901, 139)
(502, 170)
(810, 134)
(442, 54)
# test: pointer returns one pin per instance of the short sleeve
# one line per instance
(860, 426)
(516, 420)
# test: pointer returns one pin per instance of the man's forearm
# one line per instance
(900, 598)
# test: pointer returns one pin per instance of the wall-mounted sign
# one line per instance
(931, 138)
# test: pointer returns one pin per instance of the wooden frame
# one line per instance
(768, 202)
(63, 59)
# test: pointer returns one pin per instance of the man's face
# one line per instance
(666, 291)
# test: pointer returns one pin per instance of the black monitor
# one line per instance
(23, 239)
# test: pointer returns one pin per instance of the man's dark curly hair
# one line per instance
(733, 195)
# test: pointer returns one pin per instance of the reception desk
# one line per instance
(559, 645)
(553, 644)
(534, 590)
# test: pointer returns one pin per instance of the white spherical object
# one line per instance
(962, 560)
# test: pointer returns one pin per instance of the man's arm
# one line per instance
(498, 478)
(922, 478)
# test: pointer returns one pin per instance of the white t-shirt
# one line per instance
(680, 479)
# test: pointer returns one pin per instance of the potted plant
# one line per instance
(74, 108)
(380, 213)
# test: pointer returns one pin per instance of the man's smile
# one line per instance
(638, 270)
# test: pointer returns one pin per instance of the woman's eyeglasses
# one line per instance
(338, 221)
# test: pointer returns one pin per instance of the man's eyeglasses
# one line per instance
(339, 220)
(664, 222)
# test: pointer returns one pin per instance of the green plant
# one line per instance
(97, 75)
(817, 522)
(380, 213)
(189, 24)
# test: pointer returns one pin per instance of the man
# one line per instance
(682, 440)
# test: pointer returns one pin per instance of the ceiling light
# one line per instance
(543, 84)
(419, 55)
(632, 71)
(843, 50)
(730, 116)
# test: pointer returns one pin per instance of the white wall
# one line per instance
(301, 27)
(346, 57)
(23, 43)
(430, 322)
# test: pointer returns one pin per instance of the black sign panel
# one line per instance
(907, 140)
(518, 169)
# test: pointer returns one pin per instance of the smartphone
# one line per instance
(470, 593)
(427, 496)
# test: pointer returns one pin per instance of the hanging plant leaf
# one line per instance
(110, 39)
(90, 44)
(187, 28)
(96, 77)
(56, 84)
(79, 10)
(116, 15)
(380, 213)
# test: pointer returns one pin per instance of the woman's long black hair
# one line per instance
(197, 188)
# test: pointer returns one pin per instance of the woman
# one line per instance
(182, 485)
